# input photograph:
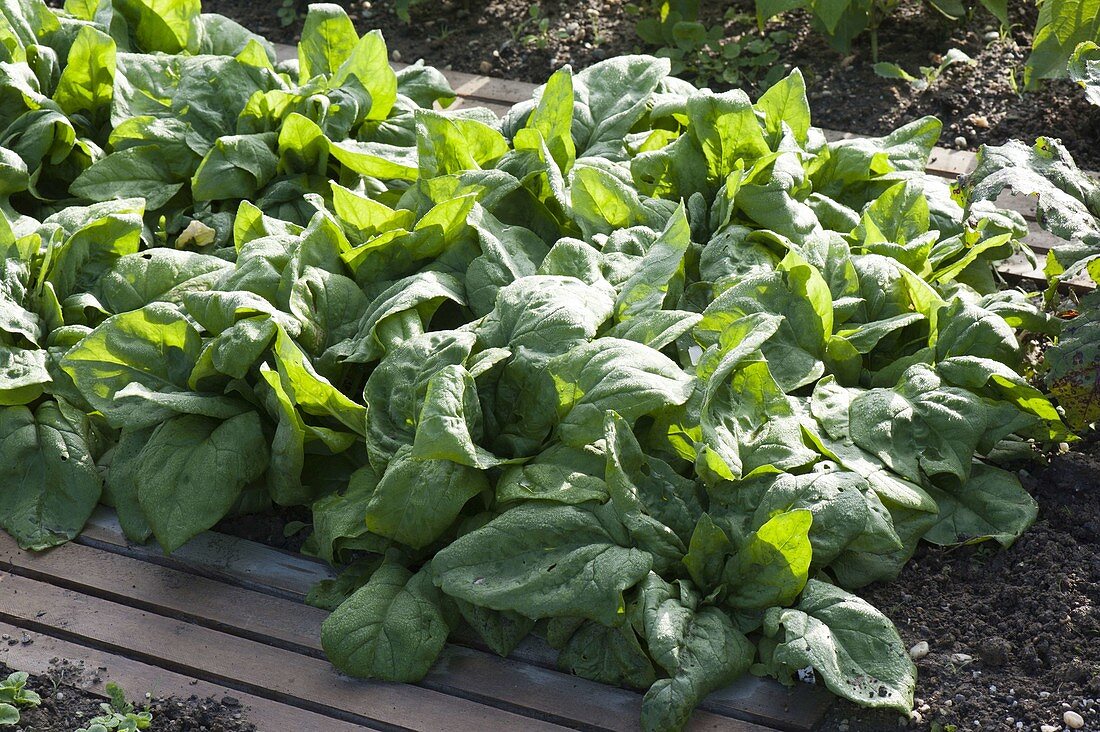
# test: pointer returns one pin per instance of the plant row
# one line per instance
(657, 374)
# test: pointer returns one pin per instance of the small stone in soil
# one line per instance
(919, 651)
(1073, 720)
(979, 121)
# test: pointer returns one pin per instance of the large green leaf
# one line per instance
(87, 82)
(418, 499)
(1061, 26)
(543, 561)
(854, 647)
(50, 480)
(1073, 366)
(192, 471)
(699, 647)
(609, 373)
(392, 628)
(134, 368)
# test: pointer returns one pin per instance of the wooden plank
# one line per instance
(760, 700)
(495, 107)
(767, 701)
(137, 679)
(242, 664)
(469, 673)
(744, 699)
(167, 591)
(285, 52)
(1018, 266)
(950, 163)
(490, 89)
(239, 561)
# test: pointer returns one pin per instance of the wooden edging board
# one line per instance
(248, 567)
(38, 654)
(460, 672)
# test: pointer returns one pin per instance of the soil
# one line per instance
(978, 104)
(271, 527)
(1027, 618)
(66, 707)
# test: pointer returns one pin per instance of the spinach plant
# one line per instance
(1061, 26)
(659, 374)
(1068, 206)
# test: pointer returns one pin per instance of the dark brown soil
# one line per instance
(977, 104)
(271, 527)
(1028, 618)
(65, 707)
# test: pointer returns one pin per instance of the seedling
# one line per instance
(928, 74)
(118, 714)
(13, 695)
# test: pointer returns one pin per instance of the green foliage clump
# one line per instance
(118, 714)
(15, 695)
(659, 374)
(1068, 206)
(704, 52)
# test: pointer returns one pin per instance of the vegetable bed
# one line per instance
(983, 103)
(659, 375)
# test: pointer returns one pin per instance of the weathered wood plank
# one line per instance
(799, 710)
(286, 624)
(243, 664)
(495, 107)
(171, 592)
(138, 678)
(246, 563)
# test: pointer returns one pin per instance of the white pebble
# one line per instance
(1049, 728)
(1073, 720)
(919, 651)
(961, 658)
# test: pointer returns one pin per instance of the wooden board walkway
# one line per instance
(225, 616)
